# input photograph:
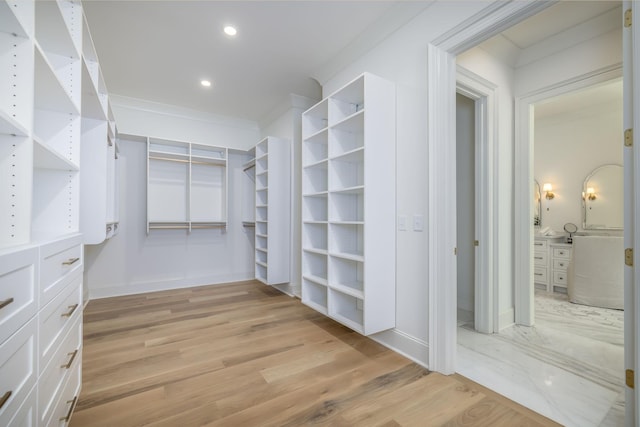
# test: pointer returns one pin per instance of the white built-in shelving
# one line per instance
(348, 205)
(186, 185)
(52, 103)
(248, 191)
(272, 169)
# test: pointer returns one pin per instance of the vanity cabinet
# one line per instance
(541, 263)
(550, 262)
(560, 257)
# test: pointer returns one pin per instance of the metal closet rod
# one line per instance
(186, 161)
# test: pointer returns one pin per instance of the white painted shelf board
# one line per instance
(316, 251)
(355, 155)
(316, 279)
(318, 194)
(358, 327)
(348, 290)
(316, 136)
(348, 256)
(321, 308)
(358, 189)
(212, 161)
(261, 250)
(50, 93)
(51, 30)
(10, 126)
(352, 123)
(347, 222)
(264, 264)
(320, 163)
(46, 158)
(92, 105)
(248, 165)
(9, 22)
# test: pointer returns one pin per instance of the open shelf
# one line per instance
(50, 92)
(46, 158)
(16, 84)
(15, 17)
(342, 236)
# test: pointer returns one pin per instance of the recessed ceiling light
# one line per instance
(230, 31)
(205, 83)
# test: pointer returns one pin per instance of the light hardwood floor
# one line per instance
(244, 354)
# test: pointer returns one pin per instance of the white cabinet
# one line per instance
(560, 258)
(272, 210)
(248, 190)
(541, 263)
(53, 116)
(186, 185)
(348, 205)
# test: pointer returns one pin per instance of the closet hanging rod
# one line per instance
(249, 167)
(194, 162)
(169, 227)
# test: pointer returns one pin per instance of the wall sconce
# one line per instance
(591, 193)
(547, 188)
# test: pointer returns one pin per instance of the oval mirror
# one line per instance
(603, 198)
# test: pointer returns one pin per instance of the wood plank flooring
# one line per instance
(244, 354)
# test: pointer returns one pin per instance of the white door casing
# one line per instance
(631, 159)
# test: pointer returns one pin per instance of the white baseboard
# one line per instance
(507, 318)
(410, 347)
(165, 285)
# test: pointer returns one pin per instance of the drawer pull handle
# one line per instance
(71, 261)
(72, 308)
(6, 302)
(71, 408)
(73, 356)
(539, 274)
(539, 257)
(4, 399)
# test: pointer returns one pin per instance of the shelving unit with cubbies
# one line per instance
(348, 205)
(272, 210)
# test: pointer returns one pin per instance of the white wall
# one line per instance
(132, 262)
(146, 118)
(567, 148)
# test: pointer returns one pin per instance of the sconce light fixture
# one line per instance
(591, 193)
(548, 189)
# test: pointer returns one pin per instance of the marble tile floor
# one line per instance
(568, 367)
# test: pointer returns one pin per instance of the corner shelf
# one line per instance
(348, 231)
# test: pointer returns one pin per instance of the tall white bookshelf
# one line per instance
(272, 210)
(348, 205)
(52, 101)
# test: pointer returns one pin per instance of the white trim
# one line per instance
(507, 318)
(442, 209)
(410, 347)
(523, 191)
(441, 83)
(487, 221)
(165, 285)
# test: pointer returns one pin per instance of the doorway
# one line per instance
(465, 202)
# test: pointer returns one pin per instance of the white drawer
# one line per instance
(18, 370)
(540, 245)
(540, 275)
(57, 317)
(560, 278)
(27, 415)
(67, 400)
(560, 264)
(18, 296)
(562, 253)
(59, 259)
(60, 367)
(540, 258)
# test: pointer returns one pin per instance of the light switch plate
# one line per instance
(402, 222)
(418, 223)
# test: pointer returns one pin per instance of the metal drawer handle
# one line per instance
(6, 302)
(4, 398)
(73, 356)
(70, 312)
(71, 408)
(539, 274)
(71, 261)
(539, 257)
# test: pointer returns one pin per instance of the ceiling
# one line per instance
(160, 50)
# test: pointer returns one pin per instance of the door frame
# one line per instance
(523, 197)
(484, 93)
(441, 89)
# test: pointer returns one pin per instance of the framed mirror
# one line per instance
(537, 211)
(603, 198)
